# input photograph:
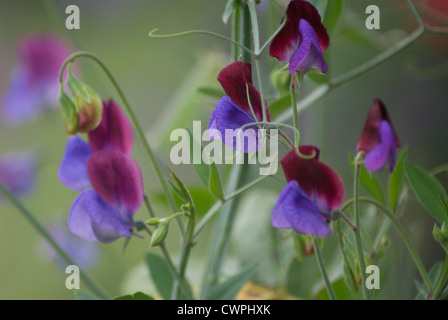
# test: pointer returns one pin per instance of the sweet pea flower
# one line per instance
(34, 82)
(302, 39)
(234, 110)
(378, 141)
(105, 212)
(114, 132)
(312, 192)
(18, 172)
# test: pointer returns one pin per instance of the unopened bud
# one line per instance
(69, 113)
(153, 221)
(160, 234)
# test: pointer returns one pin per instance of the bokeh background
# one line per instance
(161, 78)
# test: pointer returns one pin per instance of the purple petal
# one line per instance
(295, 210)
(114, 131)
(34, 83)
(73, 168)
(79, 221)
(370, 136)
(22, 101)
(227, 118)
(107, 224)
(18, 172)
(384, 151)
(118, 180)
(308, 54)
(93, 219)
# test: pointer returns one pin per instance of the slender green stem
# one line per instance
(167, 256)
(236, 31)
(244, 188)
(322, 90)
(397, 225)
(322, 268)
(191, 32)
(441, 281)
(207, 217)
(362, 264)
(134, 120)
(254, 23)
(44, 233)
(292, 89)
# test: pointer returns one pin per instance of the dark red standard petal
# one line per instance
(370, 136)
(114, 131)
(235, 79)
(318, 180)
(117, 179)
(288, 39)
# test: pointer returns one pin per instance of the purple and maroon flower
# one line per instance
(379, 140)
(312, 192)
(302, 40)
(105, 212)
(34, 82)
(234, 110)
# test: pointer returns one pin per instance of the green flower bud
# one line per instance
(153, 221)
(89, 106)
(89, 112)
(160, 234)
(441, 235)
(69, 113)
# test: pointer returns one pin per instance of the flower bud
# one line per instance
(160, 234)
(153, 222)
(69, 113)
(89, 106)
(441, 235)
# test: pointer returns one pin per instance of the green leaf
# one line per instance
(429, 191)
(332, 13)
(82, 295)
(371, 184)
(214, 182)
(136, 296)
(160, 275)
(201, 168)
(396, 181)
(229, 288)
(180, 188)
(279, 106)
(228, 11)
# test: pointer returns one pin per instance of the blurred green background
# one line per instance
(160, 77)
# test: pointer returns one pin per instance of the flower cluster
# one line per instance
(110, 180)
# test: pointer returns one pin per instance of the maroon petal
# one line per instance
(114, 131)
(318, 180)
(235, 78)
(370, 136)
(288, 39)
(117, 179)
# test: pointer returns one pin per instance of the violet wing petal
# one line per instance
(376, 158)
(79, 221)
(308, 54)
(73, 168)
(228, 116)
(107, 224)
(303, 214)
